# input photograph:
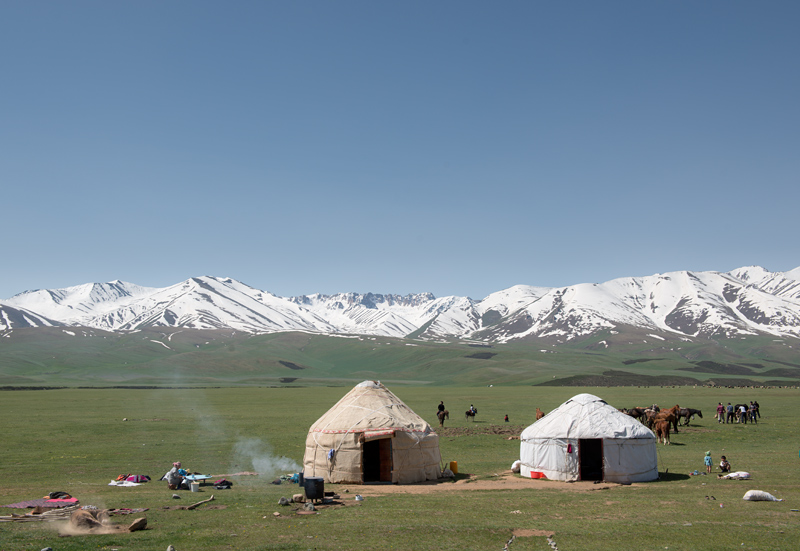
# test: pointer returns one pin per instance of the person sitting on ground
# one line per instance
(724, 466)
(174, 476)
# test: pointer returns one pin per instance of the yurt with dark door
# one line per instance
(371, 436)
(586, 439)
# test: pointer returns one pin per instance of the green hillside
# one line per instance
(176, 357)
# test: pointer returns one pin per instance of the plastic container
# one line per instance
(195, 486)
(454, 467)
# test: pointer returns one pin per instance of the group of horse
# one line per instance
(661, 421)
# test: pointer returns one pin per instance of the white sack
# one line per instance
(758, 495)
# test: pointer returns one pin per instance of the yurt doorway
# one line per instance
(376, 460)
(591, 458)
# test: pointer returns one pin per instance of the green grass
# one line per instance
(174, 357)
(75, 440)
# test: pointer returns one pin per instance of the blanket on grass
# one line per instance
(42, 502)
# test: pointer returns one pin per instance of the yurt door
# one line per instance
(377, 460)
(591, 458)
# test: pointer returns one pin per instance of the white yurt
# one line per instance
(586, 439)
(371, 436)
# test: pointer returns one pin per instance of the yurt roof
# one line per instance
(586, 416)
(368, 407)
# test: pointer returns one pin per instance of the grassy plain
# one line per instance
(75, 440)
(176, 357)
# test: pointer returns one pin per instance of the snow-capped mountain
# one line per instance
(21, 317)
(748, 300)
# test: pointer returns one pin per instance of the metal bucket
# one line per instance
(315, 487)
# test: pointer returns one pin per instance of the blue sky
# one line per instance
(455, 147)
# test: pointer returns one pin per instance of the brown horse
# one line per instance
(636, 413)
(469, 415)
(670, 415)
(662, 431)
(442, 415)
(539, 414)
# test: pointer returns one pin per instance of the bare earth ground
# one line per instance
(503, 481)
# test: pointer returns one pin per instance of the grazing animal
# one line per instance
(636, 413)
(688, 413)
(470, 415)
(539, 414)
(442, 415)
(670, 415)
(662, 431)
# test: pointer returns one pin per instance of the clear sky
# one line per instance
(455, 147)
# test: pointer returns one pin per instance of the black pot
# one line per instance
(315, 487)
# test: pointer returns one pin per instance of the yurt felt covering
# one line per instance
(553, 446)
(370, 435)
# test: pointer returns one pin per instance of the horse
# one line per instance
(539, 414)
(636, 413)
(662, 431)
(688, 413)
(442, 415)
(670, 415)
(470, 414)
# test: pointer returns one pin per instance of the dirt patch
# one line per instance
(478, 429)
(336, 503)
(186, 507)
(505, 481)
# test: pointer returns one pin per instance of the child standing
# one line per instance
(708, 462)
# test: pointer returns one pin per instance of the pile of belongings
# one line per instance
(223, 484)
(130, 480)
(138, 478)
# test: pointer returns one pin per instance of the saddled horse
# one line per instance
(539, 414)
(442, 415)
(470, 414)
(687, 413)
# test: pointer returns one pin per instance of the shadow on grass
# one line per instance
(670, 477)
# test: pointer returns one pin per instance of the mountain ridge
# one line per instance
(745, 301)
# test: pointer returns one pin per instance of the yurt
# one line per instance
(586, 439)
(371, 436)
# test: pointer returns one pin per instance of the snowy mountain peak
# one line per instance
(748, 300)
